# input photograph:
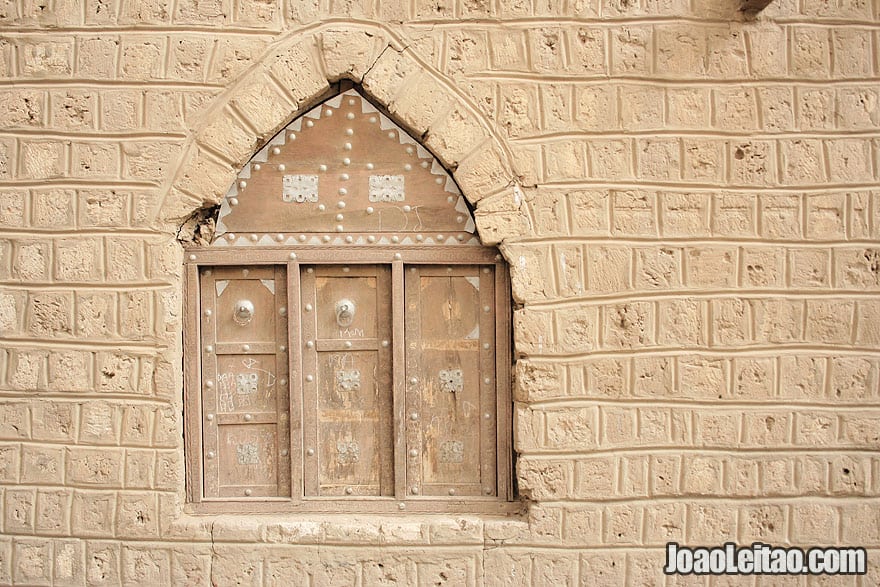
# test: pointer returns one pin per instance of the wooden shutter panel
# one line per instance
(451, 434)
(245, 397)
(347, 388)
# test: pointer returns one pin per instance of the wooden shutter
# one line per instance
(451, 436)
(347, 387)
(245, 397)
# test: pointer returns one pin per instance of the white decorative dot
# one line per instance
(231, 236)
(420, 238)
(292, 256)
(439, 180)
(292, 136)
(409, 150)
(346, 161)
(351, 102)
(342, 191)
(350, 116)
(233, 201)
(322, 167)
(326, 238)
(254, 237)
(369, 165)
(440, 237)
(407, 208)
(257, 167)
(339, 228)
(398, 257)
(310, 123)
(282, 167)
(349, 132)
(371, 239)
(279, 237)
(424, 164)
(242, 184)
(344, 177)
(347, 146)
(407, 167)
(276, 151)
(391, 135)
(450, 199)
(302, 238)
(460, 237)
(459, 219)
(340, 204)
(192, 257)
(369, 209)
(339, 218)
(349, 239)
(373, 119)
(328, 112)
(321, 207)
(395, 239)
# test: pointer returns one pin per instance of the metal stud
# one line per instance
(487, 309)
(414, 380)
(391, 135)
(310, 344)
(350, 116)
(310, 123)
(282, 310)
(248, 492)
(248, 417)
(440, 237)
(347, 146)
(257, 167)
(282, 348)
(346, 269)
(282, 381)
(420, 238)
(281, 167)
(209, 349)
(424, 164)
(487, 380)
(369, 209)
(346, 161)
(231, 236)
(385, 343)
(407, 167)
(209, 384)
(397, 256)
(349, 239)
(311, 452)
(371, 239)
(401, 506)
(460, 237)
(245, 347)
(395, 239)
(340, 204)
(308, 307)
(487, 490)
(321, 207)
(310, 270)
(487, 416)
(328, 112)
(407, 208)
(339, 218)
(450, 199)
(192, 257)
(342, 191)
(310, 378)
(413, 453)
(208, 312)
(211, 454)
(452, 492)
(279, 237)
(302, 238)
(208, 272)
(347, 344)
(439, 180)
(414, 490)
(370, 166)
(326, 238)
(284, 452)
(322, 167)
(292, 256)
(486, 345)
(373, 119)
(409, 150)
(276, 151)
(292, 136)
(414, 416)
(209, 417)
(245, 272)
(254, 237)
(242, 184)
(339, 228)
(349, 490)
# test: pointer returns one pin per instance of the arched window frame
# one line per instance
(287, 258)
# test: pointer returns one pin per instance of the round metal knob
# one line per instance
(243, 312)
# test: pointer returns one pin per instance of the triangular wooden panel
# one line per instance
(344, 173)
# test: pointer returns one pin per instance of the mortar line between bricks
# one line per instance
(658, 80)
(91, 135)
(123, 287)
(666, 241)
(730, 404)
(731, 293)
(715, 352)
(69, 82)
(684, 134)
(79, 396)
(633, 184)
(86, 344)
(692, 450)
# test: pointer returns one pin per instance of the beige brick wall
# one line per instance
(688, 200)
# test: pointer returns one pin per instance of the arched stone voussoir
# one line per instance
(350, 52)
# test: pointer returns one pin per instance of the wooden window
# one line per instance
(347, 355)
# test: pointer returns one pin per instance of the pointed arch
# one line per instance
(301, 71)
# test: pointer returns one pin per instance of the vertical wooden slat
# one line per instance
(282, 384)
(487, 377)
(384, 378)
(208, 388)
(503, 381)
(193, 384)
(309, 392)
(412, 336)
(399, 377)
(295, 344)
